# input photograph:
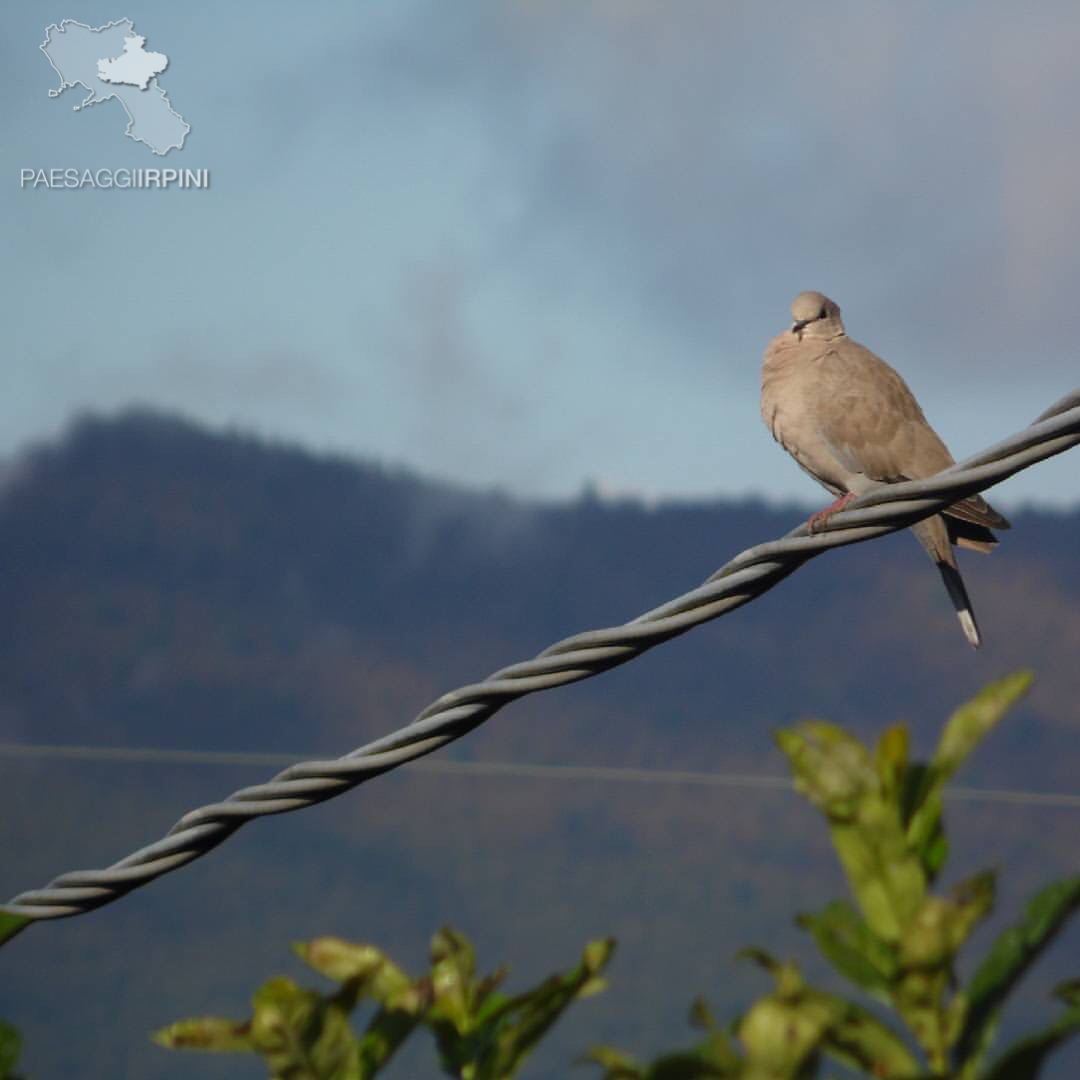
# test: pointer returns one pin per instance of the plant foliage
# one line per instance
(896, 940)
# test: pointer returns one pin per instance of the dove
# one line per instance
(851, 422)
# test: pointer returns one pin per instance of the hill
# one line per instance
(164, 585)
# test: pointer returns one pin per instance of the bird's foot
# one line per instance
(818, 520)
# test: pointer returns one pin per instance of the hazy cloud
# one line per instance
(582, 222)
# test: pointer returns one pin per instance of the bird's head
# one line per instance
(814, 315)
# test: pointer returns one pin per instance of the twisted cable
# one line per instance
(885, 509)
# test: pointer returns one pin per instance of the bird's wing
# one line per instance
(874, 424)
(871, 419)
(975, 510)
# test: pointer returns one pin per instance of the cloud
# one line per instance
(527, 243)
(914, 160)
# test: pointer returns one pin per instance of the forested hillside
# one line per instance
(164, 585)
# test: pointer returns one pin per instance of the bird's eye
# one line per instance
(822, 313)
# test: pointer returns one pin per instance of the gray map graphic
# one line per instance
(111, 62)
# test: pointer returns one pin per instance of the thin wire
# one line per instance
(516, 769)
(885, 509)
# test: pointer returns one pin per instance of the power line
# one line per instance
(885, 509)
(517, 769)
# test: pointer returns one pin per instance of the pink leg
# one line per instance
(817, 520)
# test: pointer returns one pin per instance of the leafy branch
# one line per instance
(897, 941)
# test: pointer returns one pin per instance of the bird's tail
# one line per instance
(934, 537)
(969, 523)
(958, 594)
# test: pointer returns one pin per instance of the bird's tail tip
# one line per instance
(954, 583)
(967, 624)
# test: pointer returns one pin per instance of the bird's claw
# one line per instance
(817, 521)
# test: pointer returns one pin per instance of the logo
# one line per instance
(112, 65)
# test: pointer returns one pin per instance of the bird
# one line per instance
(850, 421)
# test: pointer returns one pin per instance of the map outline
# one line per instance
(94, 97)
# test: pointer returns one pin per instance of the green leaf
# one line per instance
(764, 960)
(1009, 958)
(300, 1033)
(701, 1016)
(963, 732)
(925, 832)
(208, 1033)
(341, 960)
(972, 900)
(858, 1039)
(926, 957)
(711, 1060)
(281, 1011)
(971, 722)
(616, 1064)
(926, 837)
(10, 1048)
(832, 769)
(483, 1034)
(782, 1033)
(933, 851)
(485, 990)
(943, 924)
(10, 925)
(835, 771)
(891, 760)
(852, 948)
(452, 972)
(522, 1021)
(1026, 1057)
(363, 971)
(388, 1029)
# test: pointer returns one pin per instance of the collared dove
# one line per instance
(852, 423)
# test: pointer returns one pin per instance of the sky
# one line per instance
(536, 246)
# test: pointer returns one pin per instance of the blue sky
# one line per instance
(537, 244)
